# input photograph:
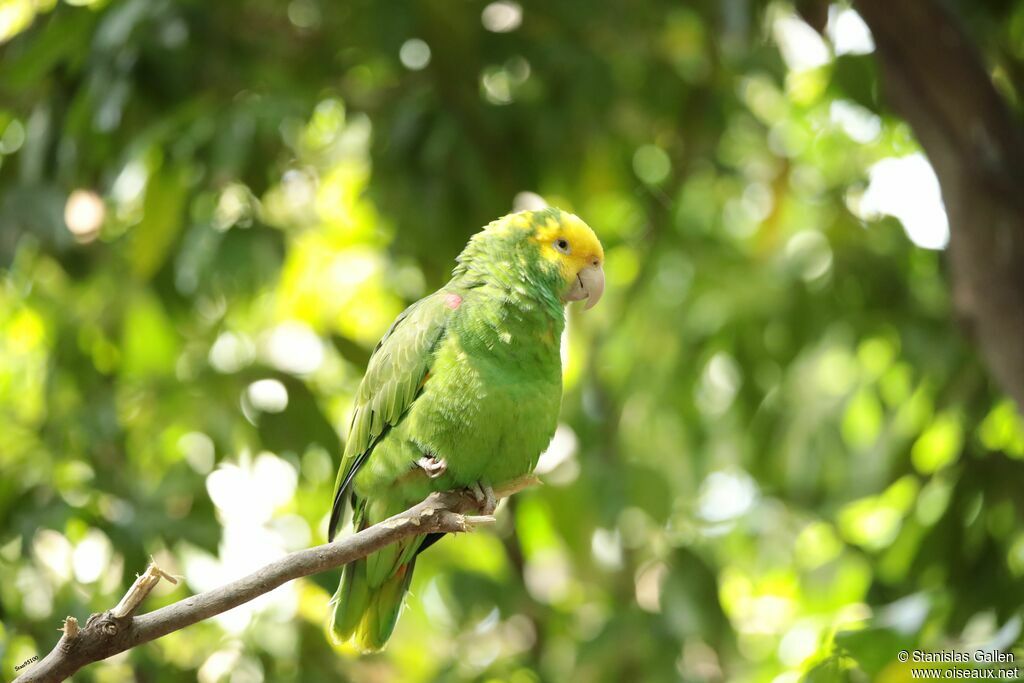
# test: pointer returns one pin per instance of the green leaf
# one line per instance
(163, 218)
(939, 445)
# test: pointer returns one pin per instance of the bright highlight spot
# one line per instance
(293, 347)
(231, 352)
(247, 495)
(801, 46)
(558, 463)
(304, 14)
(848, 32)
(561, 450)
(218, 665)
(14, 17)
(53, 551)
(809, 253)
(649, 580)
(908, 189)
(251, 491)
(130, 183)
(548, 575)
(528, 201)
(502, 16)
(414, 54)
(92, 556)
(606, 547)
(726, 495)
(718, 384)
(799, 643)
(199, 451)
(233, 207)
(84, 214)
(268, 395)
(13, 137)
(496, 85)
(857, 122)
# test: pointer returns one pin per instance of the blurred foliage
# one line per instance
(778, 455)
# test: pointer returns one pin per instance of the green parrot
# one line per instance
(463, 391)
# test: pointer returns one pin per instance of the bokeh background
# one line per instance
(779, 454)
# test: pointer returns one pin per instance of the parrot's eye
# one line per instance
(562, 245)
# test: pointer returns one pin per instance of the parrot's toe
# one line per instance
(434, 467)
(484, 495)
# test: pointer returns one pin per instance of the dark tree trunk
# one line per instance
(935, 79)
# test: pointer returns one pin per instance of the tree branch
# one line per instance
(117, 630)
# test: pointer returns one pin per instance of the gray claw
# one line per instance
(484, 495)
(434, 467)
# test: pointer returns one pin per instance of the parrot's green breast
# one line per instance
(488, 407)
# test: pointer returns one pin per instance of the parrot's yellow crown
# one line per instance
(549, 249)
(563, 238)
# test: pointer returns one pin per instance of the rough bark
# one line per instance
(936, 80)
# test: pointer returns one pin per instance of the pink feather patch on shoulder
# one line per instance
(452, 301)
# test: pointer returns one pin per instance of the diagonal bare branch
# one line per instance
(117, 630)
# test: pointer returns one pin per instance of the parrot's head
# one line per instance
(550, 248)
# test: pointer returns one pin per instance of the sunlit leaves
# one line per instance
(149, 343)
(16, 15)
(342, 289)
(1003, 429)
(161, 221)
(939, 445)
(816, 545)
(23, 349)
(862, 421)
(651, 164)
(873, 522)
(932, 502)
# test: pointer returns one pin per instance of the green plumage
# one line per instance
(470, 374)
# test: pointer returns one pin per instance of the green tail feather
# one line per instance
(365, 614)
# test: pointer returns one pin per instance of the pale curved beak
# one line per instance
(589, 285)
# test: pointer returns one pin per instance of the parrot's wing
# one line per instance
(394, 377)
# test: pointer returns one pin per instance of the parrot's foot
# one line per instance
(484, 495)
(434, 467)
